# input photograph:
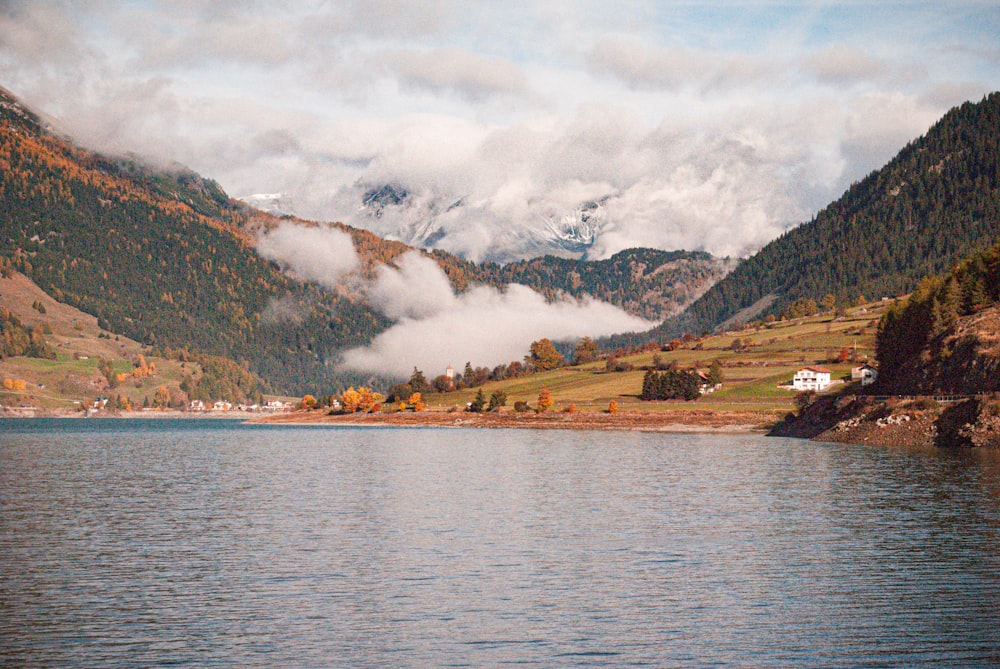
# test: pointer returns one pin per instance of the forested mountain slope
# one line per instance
(162, 257)
(930, 206)
(166, 257)
(945, 338)
(649, 283)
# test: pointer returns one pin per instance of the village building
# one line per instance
(864, 373)
(811, 378)
(704, 386)
(196, 405)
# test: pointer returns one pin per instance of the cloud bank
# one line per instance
(434, 327)
(322, 255)
(485, 326)
(690, 125)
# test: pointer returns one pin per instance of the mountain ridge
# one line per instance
(935, 202)
(167, 258)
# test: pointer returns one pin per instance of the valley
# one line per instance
(150, 287)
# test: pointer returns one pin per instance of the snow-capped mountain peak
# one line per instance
(279, 204)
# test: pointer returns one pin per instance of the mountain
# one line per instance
(83, 361)
(279, 204)
(649, 283)
(164, 257)
(944, 339)
(645, 282)
(422, 219)
(930, 206)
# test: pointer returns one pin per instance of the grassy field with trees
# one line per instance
(756, 363)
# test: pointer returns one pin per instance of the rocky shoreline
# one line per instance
(921, 422)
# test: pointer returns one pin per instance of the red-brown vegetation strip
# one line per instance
(679, 421)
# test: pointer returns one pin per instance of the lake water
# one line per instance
(204, 543)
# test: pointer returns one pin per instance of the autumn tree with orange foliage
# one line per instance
(545, 400)
(15, 385)
(350, 399)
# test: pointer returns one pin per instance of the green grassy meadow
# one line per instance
(755, 374)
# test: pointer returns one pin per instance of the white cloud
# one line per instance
(843, 64)
(695, 125)
(470, 75)
(416, 289)
(485, 326)
(641, 65)
(323, 255)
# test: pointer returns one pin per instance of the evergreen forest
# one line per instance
(943, 338)
(162, 257)
(933, 204)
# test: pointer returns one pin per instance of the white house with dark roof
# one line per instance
(864, 373)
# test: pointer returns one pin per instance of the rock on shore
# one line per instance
(922, 422)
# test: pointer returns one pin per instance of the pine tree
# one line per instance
(497, 399)
(715, 375)
(418, 383)
(477, 404)
(650, 385)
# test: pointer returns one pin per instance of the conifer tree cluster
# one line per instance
(19, 339)
(673, 384)
(911, 344)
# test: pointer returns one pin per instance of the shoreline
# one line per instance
(627, 420)
(971, 422)
(27, 412)
(863, 426)
(624, 421)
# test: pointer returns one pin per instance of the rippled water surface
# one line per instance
(203, 543)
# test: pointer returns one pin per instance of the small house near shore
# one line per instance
(864, 373)
(705, 386)
(811, 378)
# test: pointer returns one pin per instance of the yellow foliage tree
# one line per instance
(545, 400)
(17, 385)
(369, 399)
(544, 356)
(308, 402)
(613, 406)
(350, 399)
(162, 397)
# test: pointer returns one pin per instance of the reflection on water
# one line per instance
(203, 543)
